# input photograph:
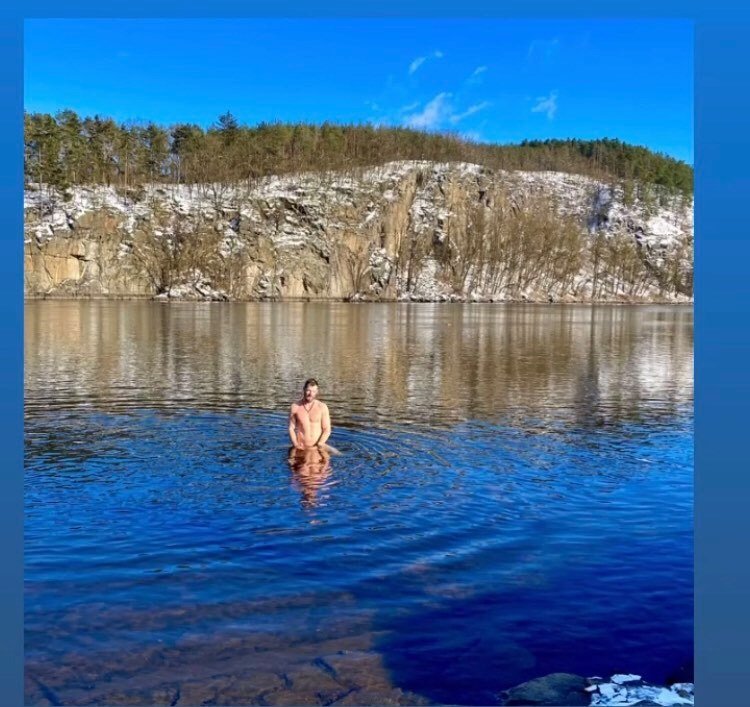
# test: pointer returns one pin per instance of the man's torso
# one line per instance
(308, 422)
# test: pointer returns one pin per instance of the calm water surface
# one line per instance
(514, 498)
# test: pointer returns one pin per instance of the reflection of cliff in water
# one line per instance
(433, 364)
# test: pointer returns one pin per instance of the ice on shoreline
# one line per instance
(622, 690)
(629, 689)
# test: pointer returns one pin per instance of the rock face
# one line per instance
(405, 230)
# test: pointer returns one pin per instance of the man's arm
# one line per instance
(325, 425)
(293, 429)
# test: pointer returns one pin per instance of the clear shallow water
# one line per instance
(514, 496)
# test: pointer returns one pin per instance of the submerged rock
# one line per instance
(553, 689)
(620, 689)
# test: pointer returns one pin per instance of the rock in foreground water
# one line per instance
(553, 689)
(632, 690)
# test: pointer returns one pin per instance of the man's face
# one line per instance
(311, 392)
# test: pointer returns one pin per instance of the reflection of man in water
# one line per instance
(310, 468)
(309, 420)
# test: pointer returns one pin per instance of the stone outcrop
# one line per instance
(620, 689)
(405, 230)
(554, 689)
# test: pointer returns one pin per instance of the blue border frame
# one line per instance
(11, 360)
(722, 144)
(722, 350)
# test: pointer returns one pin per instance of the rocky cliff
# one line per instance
(404, 230)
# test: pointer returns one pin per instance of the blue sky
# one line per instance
(489, 80)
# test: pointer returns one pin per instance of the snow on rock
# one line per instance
(196, 287)
(624, 679)
(664, 232)
(313, 226)
(626, 690)
(381, 266)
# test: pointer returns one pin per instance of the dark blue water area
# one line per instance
(479, 555)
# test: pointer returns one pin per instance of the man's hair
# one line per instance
(309, 382)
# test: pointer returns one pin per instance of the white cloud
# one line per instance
(542, 49)
(411, 106)
(439, 112)
(416, 64)
(456, 117)
(546, 104)
(432, 115)
(476, 76)
(437, 54)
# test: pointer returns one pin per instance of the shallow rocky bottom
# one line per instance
(250, 670)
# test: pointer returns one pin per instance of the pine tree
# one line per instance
(68, 149)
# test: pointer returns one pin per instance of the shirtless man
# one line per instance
(309, 420)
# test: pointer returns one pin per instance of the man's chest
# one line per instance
(311, 417)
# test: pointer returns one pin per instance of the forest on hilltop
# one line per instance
(66, 149)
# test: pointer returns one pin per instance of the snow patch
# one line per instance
(625, 690)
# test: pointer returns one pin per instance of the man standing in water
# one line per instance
(309, 420)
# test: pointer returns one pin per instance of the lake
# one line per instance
(514, 497)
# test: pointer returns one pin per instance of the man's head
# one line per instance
(310, 390)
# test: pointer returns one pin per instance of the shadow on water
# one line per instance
(466, 650)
